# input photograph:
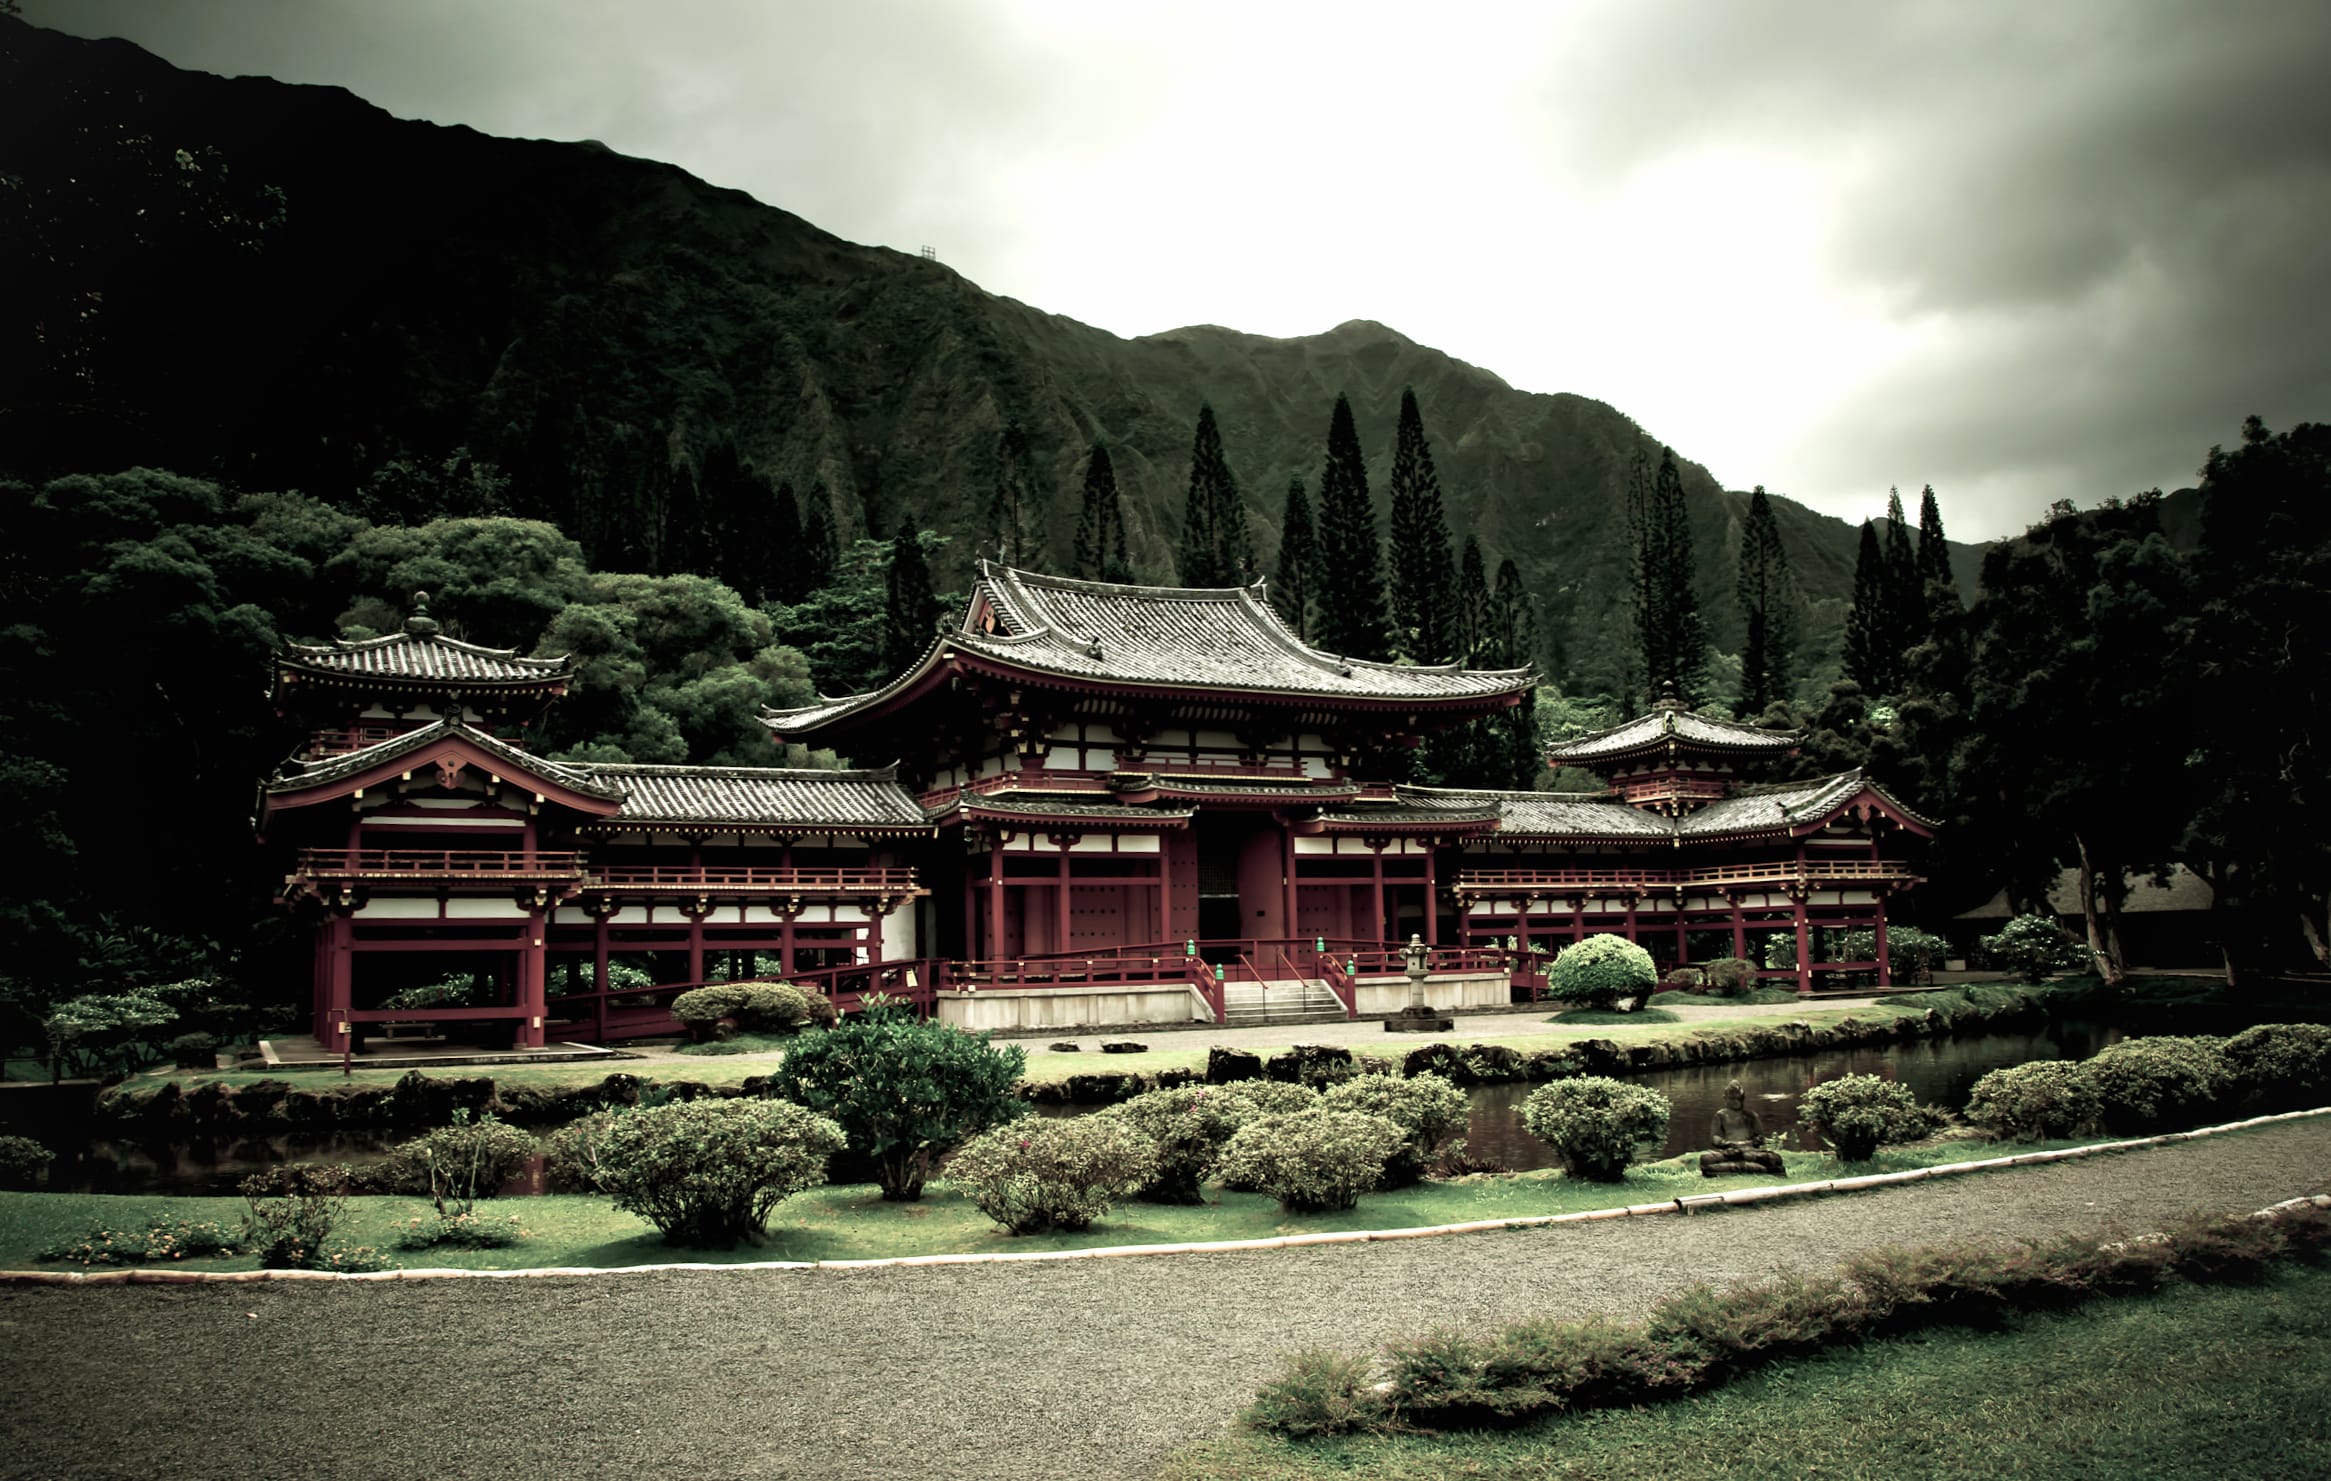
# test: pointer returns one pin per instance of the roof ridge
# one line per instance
(691, 769)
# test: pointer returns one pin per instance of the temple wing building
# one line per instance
(1100, 803)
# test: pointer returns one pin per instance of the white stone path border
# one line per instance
(1737, 1198)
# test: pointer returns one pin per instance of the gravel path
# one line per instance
(1081, 1369)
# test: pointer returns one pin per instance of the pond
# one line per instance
(1938, 1071)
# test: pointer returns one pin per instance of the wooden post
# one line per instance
(1060, 903)
(533, 998)
(599, 974)
(1804, 949)
(1165, 891)
(995, 901)
(339, 980)
(1432, 930)
(1376, 884)
(1885, 961)
(695, 947)
(1739, 928)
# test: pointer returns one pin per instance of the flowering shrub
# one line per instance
(2282, 1066)
(1597, 1125)
(292, 1210)
(1313, 1160)
(164, 1239)
(462, 1231)
(904, 1091)
(1730, 976)
(459, 1164)
(1275, 1097)
(2031, 1102)
(2157, 1084)
(1428, 1108)
(1856, 1114)
(1911, 953)
(2032, 946)
(1039, 1175)
(570, 1155)
(1600, 970)
(707, 1172)
(701, 1010)
(1189, 1126)
(24, 1163)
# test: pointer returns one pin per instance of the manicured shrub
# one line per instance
(709, 1172)
(1911, 953)
(1274, 1097)
(1428, 1108)
(1685, 979)
(771, 1008)
(1857, 1114)
(1597, 1125)
(2281, 1066)
(1189, 1125)
(1600, 970)
(818, 1010)
(1730, 976)
(24, 1163)
(2032, 1102)
(1038, 1175)
(291, 1213)
(2034, 946)
(194, 1051)
(702, 1010)
(570, 1155)
(459, 1164)
(1313, 1160)
(905, 1092)
(2165, 1083)
(107, 1033)
(163, 1239)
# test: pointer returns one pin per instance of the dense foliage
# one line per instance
(1597, 1125)
(459, 1164)
(1600, 970)
(905, 1092)
(710, 1172)
(1189, 1125)
(2033, 1102)
(1313, 1160)
(1428, 1108)
(2164, 1083)
(1857, 1114)
(1040, 1175)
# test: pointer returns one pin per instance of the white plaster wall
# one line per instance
(1069, 1008)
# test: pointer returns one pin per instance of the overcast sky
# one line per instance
(2021, 251)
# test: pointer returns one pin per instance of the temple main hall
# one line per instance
(1098, 805)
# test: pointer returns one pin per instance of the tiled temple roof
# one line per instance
(758, 797)
(298, 776)
(1786, 805)
(421, 654)
(1548, 814)
(1668, 722)
(1158, 637)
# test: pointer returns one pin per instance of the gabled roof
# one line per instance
(1793, 807)
(759, 798)
(298, 783)
(1155, 639)
(1788, 808)
(1548, 814)
(1669, 724)
(1404, 816)
(1057, 809)
(418, 655)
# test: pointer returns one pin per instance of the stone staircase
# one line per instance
(1287, 1000)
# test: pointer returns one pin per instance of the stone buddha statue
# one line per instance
(1736, 1134)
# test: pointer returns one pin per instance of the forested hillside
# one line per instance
(283, 287)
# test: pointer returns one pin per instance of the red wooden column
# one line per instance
(1682, 936)
(1291, 923)
(1885, 962)
(1804, 949)
(995, 901)
(1631, 933)
(785, 941)
(1577, 919)
(1739, 927)
(339, 979)
(533, 998)
(1522, 923)
(1376, 887)
(1432, 930)
(1165, 893)
(1060, 902)
(695, 947)
(599, 970)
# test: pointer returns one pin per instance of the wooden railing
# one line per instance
(401, 863)
(681, 878)
(340, 741)
(1518, 882)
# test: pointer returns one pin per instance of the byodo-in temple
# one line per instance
(1104, 805)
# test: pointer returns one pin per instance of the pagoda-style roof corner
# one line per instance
(1669, 725)
(447, 744)
(1801, 808)
(418, 656)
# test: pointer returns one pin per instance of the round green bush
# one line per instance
(1857, 1114)
(2033, 946)
(905, 1091)
(1275, 1097)
(1730, 976)
(24, 1163)
(820, 1009)
(1597, 1125)
(1038, 1175)
(1313, 1160)
(1429, 1108)
(570, 1155)
(1600, 970)
(709, 1172)
(196, 1051)
(461, 1163)
(2032, 1102)
(2165, 1083)
(701, 1010)
(2281, 1066)
(1685, 979)
(772, 1008)
(1189, 1125)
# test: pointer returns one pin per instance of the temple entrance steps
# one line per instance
(1284, 1000)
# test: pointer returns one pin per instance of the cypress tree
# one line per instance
(1351, 599)
(1674, 643)
(1100, 523)
(1216, 550)
(821, 551)
(1934, 555)
(1470, 609)
(910, 609)
(1870, 660)
(1422, 583)
(1015, 516)
(785, 566)
(1905, 589)
(1514, 760)
(1297, 590)
(1766, 597)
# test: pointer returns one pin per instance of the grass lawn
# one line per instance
(2199, 1382)
(852, 1222)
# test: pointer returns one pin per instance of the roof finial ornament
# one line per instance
(421, 624)
(1668, 699)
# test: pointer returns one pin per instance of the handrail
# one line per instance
(1550, 881)
(1208, 986)
(409, 863)
(888, 879)
(1333, 978)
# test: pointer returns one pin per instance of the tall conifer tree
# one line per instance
(1870, 659)
(1674, 641)
(1216, 550)
(1297, 590)
(1422, 583)
(1767, 599)
(1100, 523)
(821, 547)
(1934, 556)
(1516, 759)
(1015, 506)
(1905, 588)
(1471, 606)
(910, 609)
(1351, 601)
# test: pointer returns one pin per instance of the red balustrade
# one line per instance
(1494, 882)
(403, 863)
(694, 877)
